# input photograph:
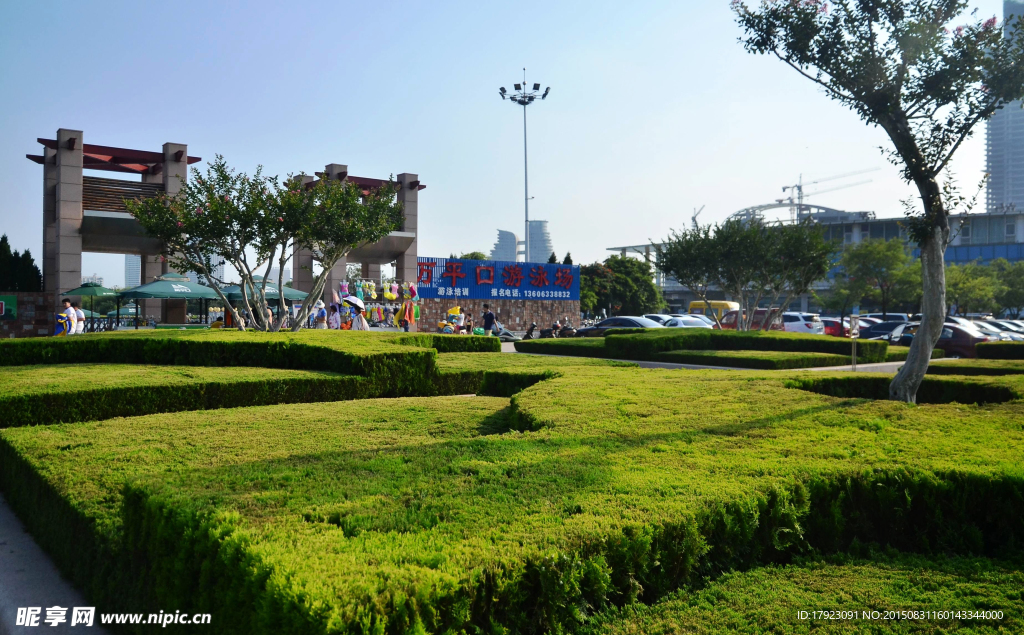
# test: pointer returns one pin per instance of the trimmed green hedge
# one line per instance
(932, 391)
(760, 360)
(133, 401)
(645, 346)
(977, 367)
(1000, 350)
(899, 353)
(573, 346)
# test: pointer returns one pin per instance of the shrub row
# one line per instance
(573, 346)
(133, 401)
(1000, 350)
(644, 346)
(174, 556)
(977, 367)
(933, 390)
(776, 361)
(899, 353)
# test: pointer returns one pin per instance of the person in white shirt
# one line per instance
(359, 323)
(334, 319)
(71, 315)
(80, 319)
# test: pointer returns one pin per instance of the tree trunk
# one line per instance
(933, 301)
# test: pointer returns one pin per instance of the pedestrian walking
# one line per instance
(70, 315)
(334, 319)
(321, 315)
(80, 318)
(488, 320)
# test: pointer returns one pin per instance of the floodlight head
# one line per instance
(519, 86)
(546, 91)
(502, 89)
(502, 95)
(536, 86)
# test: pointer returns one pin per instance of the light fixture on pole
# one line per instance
(523, 96)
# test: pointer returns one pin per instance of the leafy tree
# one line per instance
(568, 259)
(798, 257)
(743, 251)
(881, 265)
(18, 272)
(1011, 291)
(842, 295)
(692, 258)
(474, 255)
(552, 259)
(972, 288)
(899, 66)
(253, 222)
(623, 285)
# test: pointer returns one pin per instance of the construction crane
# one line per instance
(796, 202)
(696, 213)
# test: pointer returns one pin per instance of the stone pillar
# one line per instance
(68, 212)
(50, 220)
(152, 266)
(408, 196)
(339, 273)
(173, 176)
(371, 272)
(302, 259)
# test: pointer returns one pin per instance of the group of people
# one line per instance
(74, 318)
(461, 322)
(345, 318)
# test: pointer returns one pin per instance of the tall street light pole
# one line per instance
(523, 96)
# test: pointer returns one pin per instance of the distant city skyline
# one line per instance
(1004, 156)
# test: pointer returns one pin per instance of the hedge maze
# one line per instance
(429, 484)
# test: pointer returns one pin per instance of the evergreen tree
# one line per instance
(568, 259)
(552, 259)
(18, 271)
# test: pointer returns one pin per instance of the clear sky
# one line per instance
(655, 109)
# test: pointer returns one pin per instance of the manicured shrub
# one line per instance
(574, 346)
(932, 390)
(899, 353)
(644, 346)
(977, 367)
(761, 360)
(1000, 350)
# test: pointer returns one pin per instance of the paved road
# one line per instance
(29, 578)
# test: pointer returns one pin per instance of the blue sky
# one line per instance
(655, 109)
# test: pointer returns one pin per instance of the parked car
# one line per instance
(835, 327)
(889, 317)
(686, 322)
(622, 322)
(1006, 325)
(710, 321)
(880, 330)
(729, 320)
(870, 320)
(996, 332)
(660, 318)
(795, 322)
(955, 340)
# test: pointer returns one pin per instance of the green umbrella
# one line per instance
(92, 290)
(170, 287)
(128, 311)
(234, 293)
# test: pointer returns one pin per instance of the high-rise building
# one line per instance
(507, 247)
(540, 242)
(94, 278)
(1005, 145)
(132, 271)
(274, 272)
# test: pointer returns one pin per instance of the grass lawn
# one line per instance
(769, 599)
(595, 488)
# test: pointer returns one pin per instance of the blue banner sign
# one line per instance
(496, 280)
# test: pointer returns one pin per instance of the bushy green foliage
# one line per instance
(439, 515)
(933, 390)
(574, 346)
(646, 346)
(769, 599)
(764, 360)
(39, 395)
(899, 353)
(1000, 350)
(977, 367)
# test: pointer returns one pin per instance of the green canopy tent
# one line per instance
(93, 290)
(168, 287)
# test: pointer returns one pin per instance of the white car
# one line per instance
(802, 323)
(687, 322)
